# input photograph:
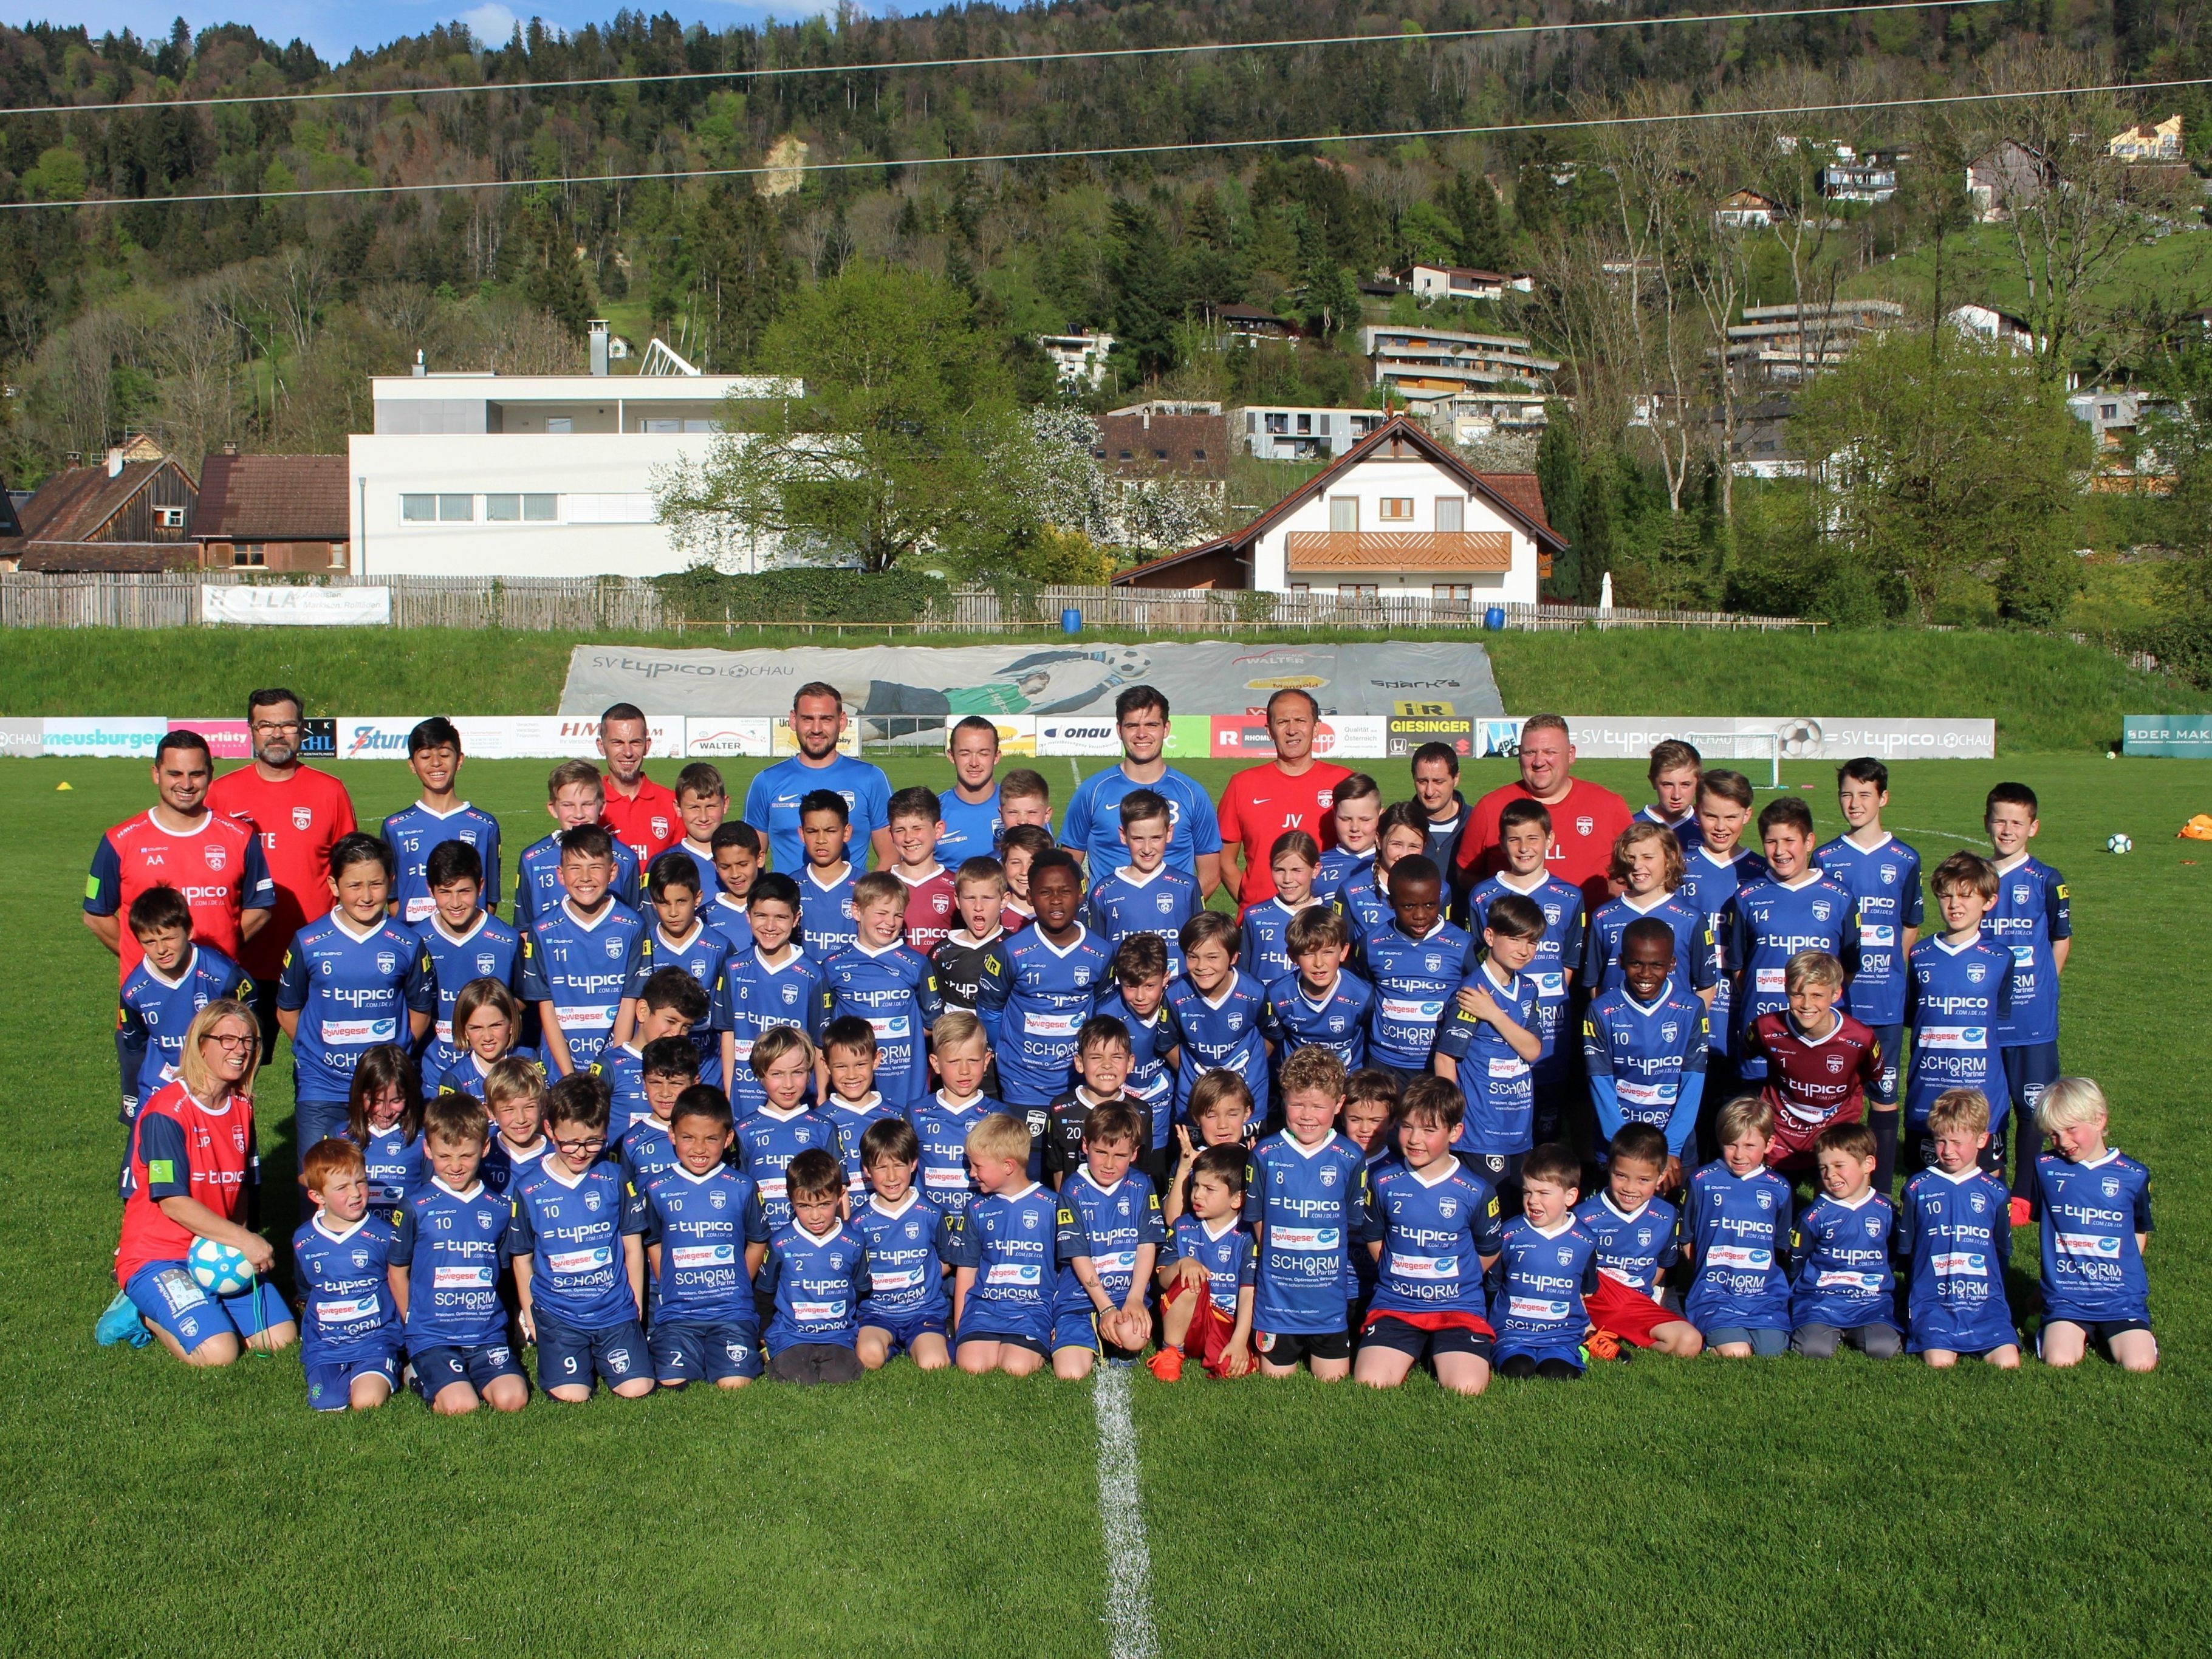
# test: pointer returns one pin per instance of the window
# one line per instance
(1458, 593)
(560, 423)
(510, 509)
(1344, 513)
(611, 508)
(1278, 423)
(337, 555)
(1126, 455)
(169, 518)
(656, 425)
(1396, 509)
(1451, 513)
(1159, 454)
(456, 509)
(1356, 591)
(1301, 587)
(1198, 455)
(1305, 426)
(2108, 411)
(418, 509)
(253, 555)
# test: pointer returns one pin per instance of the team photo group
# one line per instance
(1341, 1072)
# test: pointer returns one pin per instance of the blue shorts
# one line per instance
(903, 1328)
(437, 1370)
(1074, 1327)
(1883, 1094)
(1764, 1341)
(725, 1348)
(329, 1381)
(1028, 1339)
(565, 1356)
(316, 1120)
(1505, 1347)
(169, 1297)
(2030, 1069)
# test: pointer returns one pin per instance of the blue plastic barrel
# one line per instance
(1494, 618)
(1071, 620)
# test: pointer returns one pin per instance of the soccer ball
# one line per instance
(220, 1269)
(2118, 844)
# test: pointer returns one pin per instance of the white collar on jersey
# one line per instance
(324, 1228)
(453, 937)
(471, 1191)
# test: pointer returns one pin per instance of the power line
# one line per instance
(985, 62)
(1097, 152)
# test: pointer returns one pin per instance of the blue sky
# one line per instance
(335, 28)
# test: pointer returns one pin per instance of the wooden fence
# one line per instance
(172, 599)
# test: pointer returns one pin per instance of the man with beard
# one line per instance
(639, 812)
(817, 721)
(1587, 817)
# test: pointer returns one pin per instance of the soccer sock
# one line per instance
(1883, 1123)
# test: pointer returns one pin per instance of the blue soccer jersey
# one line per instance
(396, 1168)
(1840, 1256)
(826, 922)
(2032, 913)
(1220, 1033)
(729, 917)
(489, 950)
(1337, 1019)
(1696, 964)
(1415, 980)
(1365, 906)
(623, 1065)
(1149, 1040)
(772, 805)
(1540, 1278)
(571, 1228)
(1338, 865)
(1737, 1228)
(819, 1281)
(538, 880)
(850, 1120)
(1438, 1234)
(1033, 997)
(1960, 996)
(1224, 1249)
(1955, 1230)
(1646, 1063)
(767, 1142)
(2092, 1215)
(1634, 1246)
(704, 954)
(1708, 884)
(1266, 950)
(1768, 922)
(647, 1151)
(352, 991)
(415, 834)
(1685, 828)
(1011, 1242)
(466, 1074)
(907, 1243)
(154, 1010)
(697, 1230)
(1128, 901)
(581, 964)
(756, 996)
(1110, 1225)
(1093, 824)
(895, 990)
(505, 1164)
(1559, 955)
(967, 830)
(345, 1291)
(1498, 1085)
(1302, 1203)
(943, 1126)
(1884, 883)
(450, 1242)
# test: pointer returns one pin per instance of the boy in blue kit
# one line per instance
(1882, 875)
(1675, 770)
(826, 922)
(2094, 1209)
(1101, 1064)
(1525, 829)
(466, 943)
(576, 1234)
(1736, 1234)
(438, 818)
(887, 983)
(175, 979)
(1109, 1239)
(1321, 1001)
(783, 1061)
(1431, 1226)
(515, 1094)
(1355, 815)
(1143, 896)
(1305, 1189)
(851, 1101)
(1794, 908)
(1401, 832)
(678, 939)
(1645, 1046)
(1417, 965)
(1636, 1230)
(1712, 870)
(1488, 1048)
(1840, 1247)
(705, 1236)
(1267, 926)
(908, 1239)
(1961, 983)
(1038, 985)
(644, 1145)
(1647, 867)
(575, 796)
(486, 1018)
(961, 1057)
(348, 1333)
(577, 954)
(818, 1275)
(1221, 1114)
(1206, 1283)
(1955, 1230)
(1215, 1012)
(773, 983)
(1005, 1256)
(445, 1270)
(669, 1004)
(1137, 998)
(702, 802)
(1546, 1265)
(2034, 920)
(736, 851)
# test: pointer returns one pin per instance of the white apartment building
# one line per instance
(1079, 359)
(1420, 363)
(484, 474)
(1293, 432)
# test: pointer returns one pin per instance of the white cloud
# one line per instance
(491, 23)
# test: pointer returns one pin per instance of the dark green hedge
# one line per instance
(802, 595)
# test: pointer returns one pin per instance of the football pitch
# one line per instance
(1709, 1506)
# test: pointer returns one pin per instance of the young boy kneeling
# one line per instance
(1206, 1289)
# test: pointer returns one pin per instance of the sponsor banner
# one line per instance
(1058, 734)
(1407, 732)
(319, 737)
(1045, 679)
(1018, 735)
(22, 738)
(1797, 736)
(126, 737)
(706, 738)
(1342, 737)
(495, 737)
(2182, 736)
(374, 736)
(296, 607)
(226, 739)
(783, 745)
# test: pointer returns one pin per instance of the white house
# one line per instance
(1399, 512)
(1990, 324)
(1748, 210)
(1300, 432)
(2148, 142)
(483, 474)
(1462, 281)
(1079, 359)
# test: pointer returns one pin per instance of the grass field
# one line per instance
(1701, 1507)
(2046, 695)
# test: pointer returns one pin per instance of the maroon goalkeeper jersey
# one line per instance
(1811, 1083)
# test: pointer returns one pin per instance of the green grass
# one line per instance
(2046, 695)
(1658, 1507)
(1982, 266)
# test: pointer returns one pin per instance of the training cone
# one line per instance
(2198, 828)
(63, 784)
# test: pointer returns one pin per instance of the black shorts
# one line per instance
(1398, 1337)
(1009, 1339)
(1288, 1347)
(2100, 1332)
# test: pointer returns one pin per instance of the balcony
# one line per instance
(1351, 552)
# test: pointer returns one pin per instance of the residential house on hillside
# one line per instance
(1748, 210)
(1462, 282)
(1785, 345)
(1990, 324)
(272, 513)
(2148, 142)
(1399, 512)
(1432, 362)
(1187, 440)
(1859, 178)
(1079, 359)
(1295, 431)
(1254, 325)
(122, 515)
(2007, 179)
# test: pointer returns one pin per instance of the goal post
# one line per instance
(1747, 747)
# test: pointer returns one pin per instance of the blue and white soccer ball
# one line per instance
(220, 1269)
(2118, 844)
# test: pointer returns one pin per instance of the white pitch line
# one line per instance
(1075, 771)
(1129, 1628)
(1971, 840)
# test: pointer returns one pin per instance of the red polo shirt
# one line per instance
(646, 823)
(299, 817)
(1585, 824)
(1261, 802)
